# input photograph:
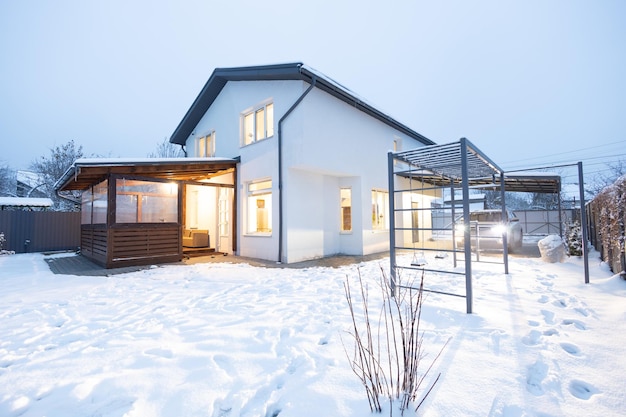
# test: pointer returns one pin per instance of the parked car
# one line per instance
(487, 228)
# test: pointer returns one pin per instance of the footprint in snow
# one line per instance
(550, 332)
(570, 348)
(532, 339)
(163, 353)
(543, 299)
(536, 374)
(548, 316)
(581, 389)
(577, 323)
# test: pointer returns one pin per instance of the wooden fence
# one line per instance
(40, 231)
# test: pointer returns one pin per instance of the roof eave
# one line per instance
(292, 71)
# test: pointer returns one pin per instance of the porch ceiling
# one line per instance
(441, 165)
(86, 172)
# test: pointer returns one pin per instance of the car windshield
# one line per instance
(486, 217)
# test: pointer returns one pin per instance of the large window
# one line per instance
(258, 124)
(100, 202)
(145, 201)
(260, 207)
(85, 206)
(94, 204)
(346, 209)
(380, 204)
(205, 145)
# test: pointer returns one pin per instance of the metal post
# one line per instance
(583, 220)
(560, 215)
(505, 243)
(466, 223)
(392, 223)
(453, 203)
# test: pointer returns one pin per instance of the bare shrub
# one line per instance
(388, 345)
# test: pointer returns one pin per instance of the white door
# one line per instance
(224, 232)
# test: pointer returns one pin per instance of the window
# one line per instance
(397, 144)
(85, 206)
(94, 204)
(258, 124)
(346, 209)
(205, 146)
(146, 201)
(380, 203)
(260, 207)
(100, 202)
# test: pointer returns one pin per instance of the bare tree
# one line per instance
(602, 180)
(52, 167)
(8, 182)
(166, 149)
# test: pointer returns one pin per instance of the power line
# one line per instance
(567, 152)
(607, 160)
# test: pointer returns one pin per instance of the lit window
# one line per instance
(145, 202)
(260, 207)
(258, 124)
(205, 146)
(380, 202)
(346, 209)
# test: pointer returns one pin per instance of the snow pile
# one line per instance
(231, 340)
(552, 249)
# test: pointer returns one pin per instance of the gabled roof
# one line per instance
(293, 71)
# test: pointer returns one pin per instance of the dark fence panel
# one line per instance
(40, 231)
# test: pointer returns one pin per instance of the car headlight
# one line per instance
(499, 229)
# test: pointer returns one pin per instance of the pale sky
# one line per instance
(528, 82)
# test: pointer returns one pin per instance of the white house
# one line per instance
(311, 164)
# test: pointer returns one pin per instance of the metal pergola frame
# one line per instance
(457, 165)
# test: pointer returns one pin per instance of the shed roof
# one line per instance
(89, 171)
(442, 165)
(291, 71)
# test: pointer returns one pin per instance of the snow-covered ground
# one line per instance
(221, 339)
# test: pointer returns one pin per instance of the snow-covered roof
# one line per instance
(89, 171)
(31, 179)
(25, 202)
(291, 71)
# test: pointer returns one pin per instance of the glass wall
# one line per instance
(94, 204)
(140, 201)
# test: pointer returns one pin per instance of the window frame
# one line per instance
(342, 214)
(250, 127)
(252, 197)
(205, 145)
(140, 201)
(380, 210)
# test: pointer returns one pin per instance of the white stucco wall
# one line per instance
(258, 160)
(330, 139)
(327, 144)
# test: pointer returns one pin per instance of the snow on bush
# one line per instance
(2, 251)
(574, 240)
(552, 249)
(608, 207)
